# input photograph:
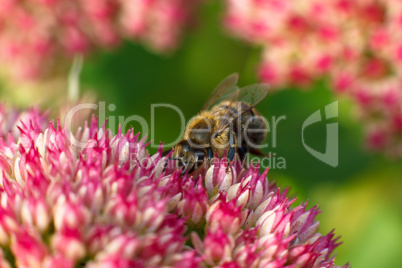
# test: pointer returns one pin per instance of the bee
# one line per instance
(227, 124)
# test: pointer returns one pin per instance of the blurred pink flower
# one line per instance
(356, 44)
(12, 119)
(96, 199)
(36, 34)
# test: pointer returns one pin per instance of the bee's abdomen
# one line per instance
(255, 128)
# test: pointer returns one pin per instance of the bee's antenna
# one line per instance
(184, 170)
(174, 158)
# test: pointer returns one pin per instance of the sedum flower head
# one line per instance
(94, 199)
(354, 43)
(36, 34)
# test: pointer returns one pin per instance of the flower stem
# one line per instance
(74, 79)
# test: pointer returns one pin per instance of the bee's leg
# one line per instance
(210, 154)
(232, 149)
(165, 165)
(166, 152)
(242, 151)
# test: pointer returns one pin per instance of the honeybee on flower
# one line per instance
(227, 124)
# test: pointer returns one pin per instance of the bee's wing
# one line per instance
(226, 90)
(252, 95)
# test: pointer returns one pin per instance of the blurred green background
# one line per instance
(361, 198)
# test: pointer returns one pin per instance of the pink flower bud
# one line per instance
(218, 247)
(224, 215)
(28, 250)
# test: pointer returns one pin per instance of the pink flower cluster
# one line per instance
(356, 44)
(100, 200)
(36, 34)
(12, 119)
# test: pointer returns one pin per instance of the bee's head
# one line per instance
(188, 157)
